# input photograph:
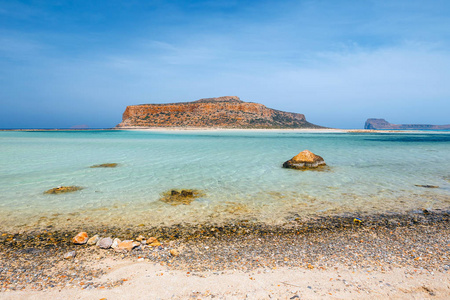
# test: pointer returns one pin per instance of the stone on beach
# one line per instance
(105, 243)
(80, 238)
(174, 252)
(93, 240)
(140, 238)
(126, 245)
(63, 189)
(115, 243)
(70, 254)
(304, 160)
(153, 242)
(108, 165)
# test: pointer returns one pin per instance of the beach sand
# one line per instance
(403, 256)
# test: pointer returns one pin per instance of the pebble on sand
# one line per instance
(115, 243)
(126, 245)
(153, 242)
(140, 238)
(70, 255)
(93, 240)
(105, 243)
(80, 238)
(174, 252)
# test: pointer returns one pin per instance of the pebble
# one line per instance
(80, 238)
(126, 245)
(115, 243)
(174, 252)
(93, 240)
(105, 243)
(70, 254)
(140, 238)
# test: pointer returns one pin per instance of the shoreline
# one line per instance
(413, 245)
(213, 129)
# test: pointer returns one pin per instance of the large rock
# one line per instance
(223, 112)
(305, 160)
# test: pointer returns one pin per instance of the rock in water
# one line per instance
(176, 197)
(305, 160)
(63, 189)
(108, 165)
(93, 240)
(80, 238)
(105, 243)
(427, 186)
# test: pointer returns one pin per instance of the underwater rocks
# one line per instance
(176, 197)
(305, 160)
(108, 165)
(427, 186)
(80, 238)
(63, 189)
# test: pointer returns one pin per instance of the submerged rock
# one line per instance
(177, 197)
(105, 243)
(63, 189)
(80, 238)
(108, 165)
(305, 160)
(427, 186)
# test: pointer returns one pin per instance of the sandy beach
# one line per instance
(402, 256)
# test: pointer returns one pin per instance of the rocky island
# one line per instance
(221, 112)
(383, 124)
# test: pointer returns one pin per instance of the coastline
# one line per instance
(408, 253)
(218, 129)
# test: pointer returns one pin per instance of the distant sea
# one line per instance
(238, 172)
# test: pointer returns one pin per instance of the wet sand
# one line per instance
(389, 255)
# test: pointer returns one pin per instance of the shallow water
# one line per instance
(238, 172)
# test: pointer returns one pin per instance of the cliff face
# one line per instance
(383, 124)
(223, 112)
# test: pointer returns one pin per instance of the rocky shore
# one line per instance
(415, 243)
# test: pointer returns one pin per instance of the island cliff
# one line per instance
(221, 112)
(383, 124)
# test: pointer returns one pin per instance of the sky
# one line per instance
(72, 63)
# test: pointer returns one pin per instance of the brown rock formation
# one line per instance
(304, 160)
(222, 112)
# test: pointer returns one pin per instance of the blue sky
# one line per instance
(66, 63)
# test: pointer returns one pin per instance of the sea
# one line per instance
(238, 174)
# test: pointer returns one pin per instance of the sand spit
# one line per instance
(394, 256)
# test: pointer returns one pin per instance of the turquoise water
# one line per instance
(239, 173)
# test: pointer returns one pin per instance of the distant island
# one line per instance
(221, 112)
(383, 124)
